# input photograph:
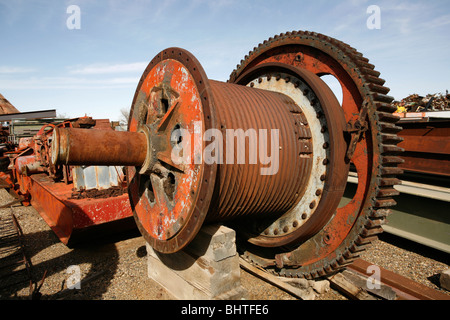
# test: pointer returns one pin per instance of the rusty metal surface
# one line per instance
(321, 110)
(67, 214)
(170, 201)
(375, 155)
(74, 146)
(427, 146)
(241, 189)
(319, 140)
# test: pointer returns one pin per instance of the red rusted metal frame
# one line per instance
(420, 162)
(427, 146)
(67, 216)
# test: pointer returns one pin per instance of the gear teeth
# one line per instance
(375, 80)
(377, 88)
(385, 107)
(389, 182)
(382, 203)
(382, 97)
(391, 149)
(387, 117)
(389, 128)
(390, 160)
(388, 192)
(391, 171)
(390, 138)
(370, 72)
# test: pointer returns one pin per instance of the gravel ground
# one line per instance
(116, 267)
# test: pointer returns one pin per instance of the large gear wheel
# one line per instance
(372, 150)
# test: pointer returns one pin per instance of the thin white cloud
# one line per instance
(93, 69)
(15, 70)
(438, 21)
(68, 83)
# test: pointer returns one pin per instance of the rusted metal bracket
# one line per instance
(356, 128)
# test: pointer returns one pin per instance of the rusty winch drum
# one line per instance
(279, 116)
(268, 153)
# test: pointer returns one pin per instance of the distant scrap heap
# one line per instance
(417, 103)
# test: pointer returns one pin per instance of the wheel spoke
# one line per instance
(166, 157)
(168, 116)
(158, 189)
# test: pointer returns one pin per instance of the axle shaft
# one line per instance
(71, 146)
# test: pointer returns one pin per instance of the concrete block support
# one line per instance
(207, 269)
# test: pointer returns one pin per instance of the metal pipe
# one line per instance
(71, 146)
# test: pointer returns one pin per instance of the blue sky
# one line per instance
(94, 70)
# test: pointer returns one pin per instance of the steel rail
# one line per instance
(405, 288)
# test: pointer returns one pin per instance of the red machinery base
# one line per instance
(69, 217)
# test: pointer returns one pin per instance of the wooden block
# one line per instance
(445, 279)
(300, 288)
(207, 269)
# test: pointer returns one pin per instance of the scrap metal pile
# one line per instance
(417, 103)
(284, 204)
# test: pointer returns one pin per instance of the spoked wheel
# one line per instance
(328, 237)
(170, 198)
